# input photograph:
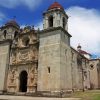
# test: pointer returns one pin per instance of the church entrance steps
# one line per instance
(6, 97)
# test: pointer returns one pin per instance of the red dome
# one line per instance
(55, 5)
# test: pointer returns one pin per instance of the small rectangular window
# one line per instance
(66, 54)
(48, 69)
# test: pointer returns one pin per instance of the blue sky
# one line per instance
(31, 13)
(84, 21)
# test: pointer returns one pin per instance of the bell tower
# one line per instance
(54, 66)
(55, 16)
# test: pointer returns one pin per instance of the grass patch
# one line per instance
(87, 95)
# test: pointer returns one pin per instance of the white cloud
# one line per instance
(84, 26)
(39, 25)
(2, 16)
(14, 3)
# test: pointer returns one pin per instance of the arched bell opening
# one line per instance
(50, 21)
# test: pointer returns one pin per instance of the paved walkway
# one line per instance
(6, 97)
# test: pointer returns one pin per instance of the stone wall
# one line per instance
(54, 71)
(94, 75)
(49, 62)
(4, 63)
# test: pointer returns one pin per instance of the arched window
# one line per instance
(64, 23)
(91, 66)
(51, 21)
(5, 33)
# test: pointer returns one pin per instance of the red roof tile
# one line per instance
(55, 5)
(83, 52)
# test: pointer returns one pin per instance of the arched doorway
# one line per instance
(23, 81)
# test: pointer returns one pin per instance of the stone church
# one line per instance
(43, 60)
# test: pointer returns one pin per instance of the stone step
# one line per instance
(6, 97)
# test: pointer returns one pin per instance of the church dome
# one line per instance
(55, 5)
(12, 23)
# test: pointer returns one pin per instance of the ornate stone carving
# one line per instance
(26, 29)
(12, 77)
(13, 58)
(23, 56)
(32, 55)
(32, 80)
(31, 77)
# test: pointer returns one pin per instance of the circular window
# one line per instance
(91, 66)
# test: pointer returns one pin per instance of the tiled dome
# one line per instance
(55, 5)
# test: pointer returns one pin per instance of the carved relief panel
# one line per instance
(33, 53)
(23, 55)
(12, 80)
(32, 79)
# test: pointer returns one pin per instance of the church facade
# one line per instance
(43, 60)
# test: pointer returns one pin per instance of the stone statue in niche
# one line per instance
(33, 54)
(31, 77)
(12, 77)
(32, 80)
(13, 58)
